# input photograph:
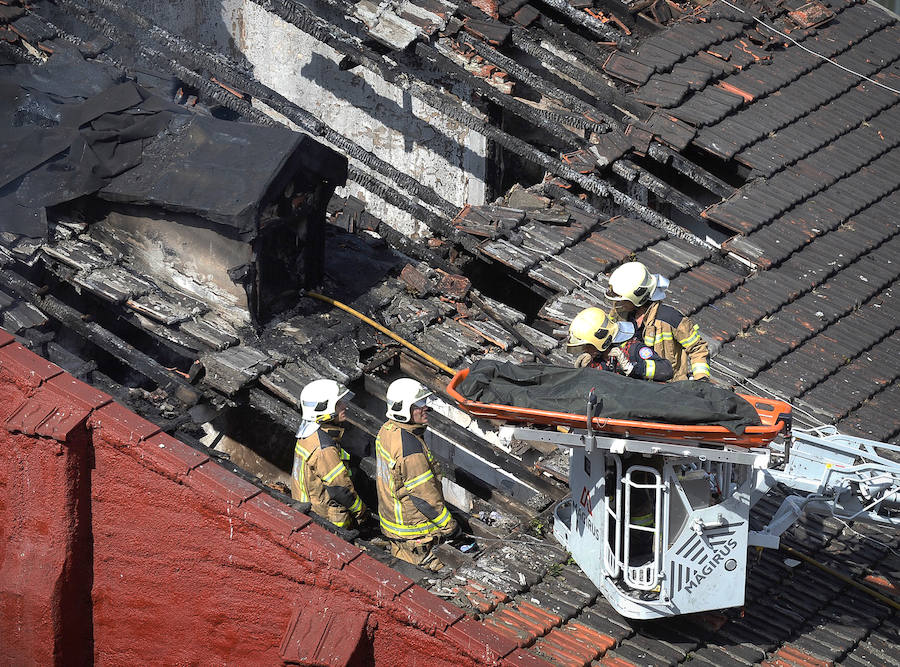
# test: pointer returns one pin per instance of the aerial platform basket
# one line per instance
(774, 417)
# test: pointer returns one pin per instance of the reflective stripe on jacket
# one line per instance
(675, 338)
(410, 501)
(648, 365)
(320, 477)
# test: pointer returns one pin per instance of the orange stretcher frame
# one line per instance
(774, 415)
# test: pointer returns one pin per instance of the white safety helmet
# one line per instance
(633, 282)
(402, 396)
(319, 400)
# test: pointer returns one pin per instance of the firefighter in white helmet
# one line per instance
(638, 296)
(411, 506)
(320, 475)
(598, 341)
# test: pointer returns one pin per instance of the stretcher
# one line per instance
(774, 416)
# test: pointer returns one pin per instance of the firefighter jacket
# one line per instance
(675, 338)
(648, 365)
(410, 502)
(320, 475)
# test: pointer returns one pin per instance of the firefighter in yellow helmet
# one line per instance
(411, 506)
(320, 475)
(600, 342)
(638, 296)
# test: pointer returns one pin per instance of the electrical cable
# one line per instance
(810, 51)
(843, 577)
(755, 386)
(866, 537)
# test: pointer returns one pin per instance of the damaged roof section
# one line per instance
(150, 204)
(79, 128)
(715, 74)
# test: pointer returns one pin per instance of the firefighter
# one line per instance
(320, 475)
(600, 342)
(638, 296)
(411, 505)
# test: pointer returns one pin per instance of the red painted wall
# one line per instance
(121, 545)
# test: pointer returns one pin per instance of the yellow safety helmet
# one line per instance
(633, 282)
(592, 327)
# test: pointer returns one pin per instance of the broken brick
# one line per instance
(416, 281)
(454, 286)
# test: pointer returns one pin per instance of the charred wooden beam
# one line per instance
(277, 411)
(437, 224)
(699, 175)
(545, 120)
(601, 120)
(506, 324)
(573, 40)
(585, 20)
(413, 249)
(632, 172)
(100, 337)
(551, 189)
(525, 43)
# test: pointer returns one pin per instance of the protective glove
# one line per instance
(624, 362)
(583, 360)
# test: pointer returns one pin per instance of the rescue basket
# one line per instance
(774, 416)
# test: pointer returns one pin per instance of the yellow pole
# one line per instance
(321, 297)
(843, 577)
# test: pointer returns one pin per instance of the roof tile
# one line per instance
(479, 640)
(23, 365)
(173, 456)
(317, 544)
(117, 419)
(274, 515)
(216, 480)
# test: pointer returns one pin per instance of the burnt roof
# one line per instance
(79, 127)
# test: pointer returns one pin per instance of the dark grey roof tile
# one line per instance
(670, 130)
(708, 106)
(661, 91)
(631, 68)
(719, 141)
(556, 277)
(715, 655)
(685, 298)
(581, 260)
(718, 66)
(509, 254)
(716, 321)
(777, 241)
(750, 303)
(856, 382)
(692, 72)
(655, 53)
(878, 419)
